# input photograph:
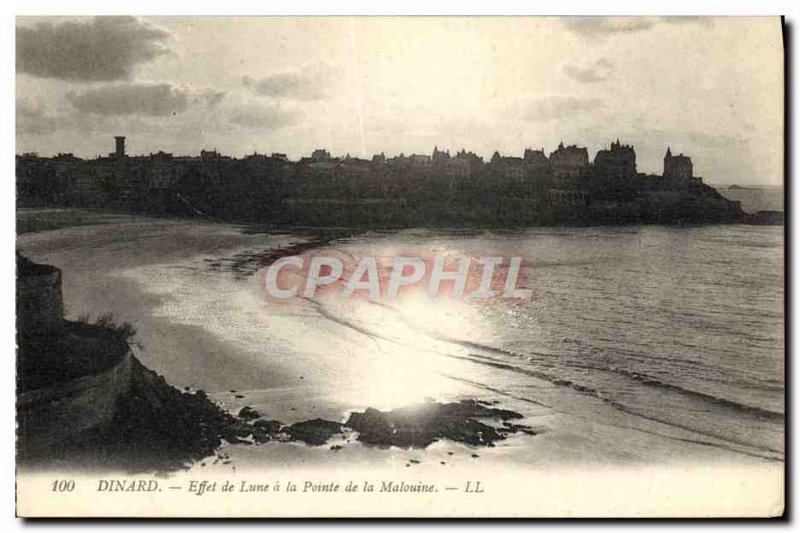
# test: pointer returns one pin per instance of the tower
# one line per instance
(120, 148)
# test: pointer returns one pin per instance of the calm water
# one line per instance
(681, 326)
(756, 199)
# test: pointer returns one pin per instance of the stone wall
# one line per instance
(50, 416)
(40, 307)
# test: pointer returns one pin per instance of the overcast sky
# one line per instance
(710, 88)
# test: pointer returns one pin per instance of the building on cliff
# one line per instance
(677, 167)
(535, 161)
(614, 170)
(507, 167)
(465, 164)
(569, 164)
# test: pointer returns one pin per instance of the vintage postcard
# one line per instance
(400, 266)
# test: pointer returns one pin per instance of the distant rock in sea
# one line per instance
(764, 218)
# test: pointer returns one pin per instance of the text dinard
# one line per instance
(200, 487)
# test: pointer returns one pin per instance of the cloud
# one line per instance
(258, 117)
(693, 138)
(601, 27)
(32, 118)
(101, 49)
(309, 82)
(546, 108)
(591, 72)
(212, 98)
(132, 99)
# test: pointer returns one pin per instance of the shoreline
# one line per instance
(757, 218)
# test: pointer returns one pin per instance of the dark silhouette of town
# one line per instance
(564, 188)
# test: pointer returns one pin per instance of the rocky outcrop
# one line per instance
(764, 218)
(418, 426)
(315, 432)
(156, 427)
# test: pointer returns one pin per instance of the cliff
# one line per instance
(84, 399)
(694, 204)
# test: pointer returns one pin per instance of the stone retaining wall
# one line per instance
(40, 307)
(49, 415)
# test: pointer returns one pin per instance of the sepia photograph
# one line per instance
(396, 266)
